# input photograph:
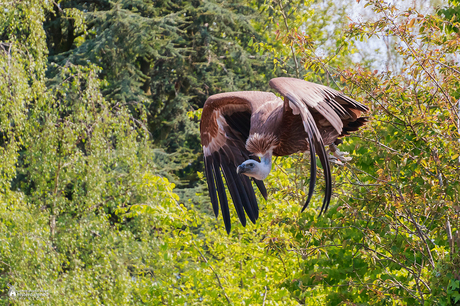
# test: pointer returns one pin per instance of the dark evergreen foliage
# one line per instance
(163, 59)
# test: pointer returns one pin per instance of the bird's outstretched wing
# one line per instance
(225, 125)
(306, 98)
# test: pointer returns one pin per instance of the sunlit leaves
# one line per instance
(397, 194)
(85, 213)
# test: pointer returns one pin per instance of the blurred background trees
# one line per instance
(102, 198)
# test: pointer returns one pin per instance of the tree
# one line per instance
(76, 171)
(87, 215)
(385, 240)
(162, 60)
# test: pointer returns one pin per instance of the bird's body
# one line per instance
(239, 128)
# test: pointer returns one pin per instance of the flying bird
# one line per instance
(241, 131)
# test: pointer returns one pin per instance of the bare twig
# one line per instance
(449, 237)
(283, 13)
(402, 154)
(404, 287)
(398, 263)
(265, 296)
(215, 273)
(415, 55)
(420, 234)
(446, 66)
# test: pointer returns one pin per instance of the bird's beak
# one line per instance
(241, 169)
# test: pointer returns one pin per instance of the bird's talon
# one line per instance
(341, 156)
(334, 160)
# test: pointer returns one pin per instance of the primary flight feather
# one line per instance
(241, 131)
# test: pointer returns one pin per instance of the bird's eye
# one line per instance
(251, 164)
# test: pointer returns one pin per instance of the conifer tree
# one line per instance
(165, 57)
(162, 60)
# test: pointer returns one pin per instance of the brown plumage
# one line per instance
(241, 126)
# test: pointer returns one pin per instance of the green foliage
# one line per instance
(161, 60)
(385, 241)
(89, 216)
(78, 178)
(319, 25)
(166, 56)
(450, 15)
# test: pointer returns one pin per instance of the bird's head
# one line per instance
(248, 168)
(254, 169)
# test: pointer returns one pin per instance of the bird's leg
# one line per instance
(338, 156)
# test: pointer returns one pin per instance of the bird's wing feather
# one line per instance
(330, 103)
(304, 98)
(316, 146)
(224, 127)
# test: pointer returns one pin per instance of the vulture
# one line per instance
(241, 131)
